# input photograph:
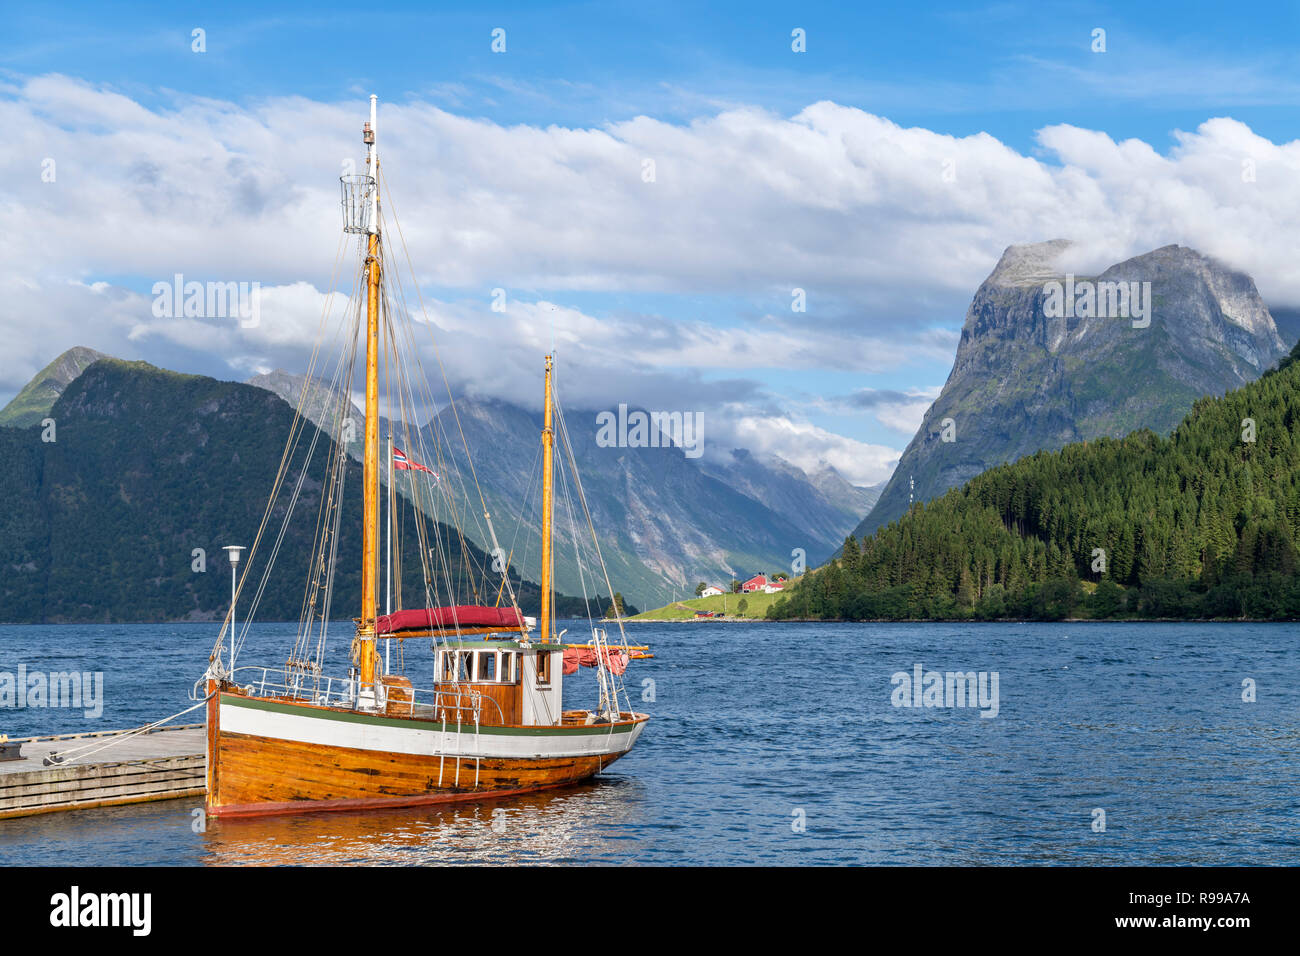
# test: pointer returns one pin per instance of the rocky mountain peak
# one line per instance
(1031, 263)
(1048, 357)
(38, 396)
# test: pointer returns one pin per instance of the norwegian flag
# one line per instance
(402, 463)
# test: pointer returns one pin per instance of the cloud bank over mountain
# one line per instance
(675, 292)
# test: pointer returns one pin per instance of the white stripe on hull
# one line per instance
(423, 739)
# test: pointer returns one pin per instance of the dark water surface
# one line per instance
(758, 729)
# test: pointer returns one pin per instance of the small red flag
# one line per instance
(402, 463)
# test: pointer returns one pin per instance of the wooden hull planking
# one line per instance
(278, 757)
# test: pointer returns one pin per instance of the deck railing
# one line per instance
(343, 692)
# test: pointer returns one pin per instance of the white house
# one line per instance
(710, 591)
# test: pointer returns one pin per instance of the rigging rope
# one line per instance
(294, 427)
(408, 397)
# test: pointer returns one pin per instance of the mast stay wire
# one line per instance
(447, 384)
(337, 462)
(294, 429)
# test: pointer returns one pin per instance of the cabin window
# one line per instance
(499, 667)
(543, 668)
(446, 665)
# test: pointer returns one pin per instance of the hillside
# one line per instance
(148, 465)
(664, 520)
(1204, 523)
(1027, 379)
(38, 396)
(1287, 320)
(661, 520)
(821, 502)
(756, 607)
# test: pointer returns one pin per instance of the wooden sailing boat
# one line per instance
(491, 720)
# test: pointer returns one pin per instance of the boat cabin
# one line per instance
(508, 682)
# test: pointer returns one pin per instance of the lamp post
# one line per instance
(232, 550)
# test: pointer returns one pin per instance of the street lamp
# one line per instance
(233, 550)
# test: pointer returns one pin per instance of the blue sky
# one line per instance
(1001, 68)
(1007, 70)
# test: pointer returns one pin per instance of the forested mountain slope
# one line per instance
(1203, 523)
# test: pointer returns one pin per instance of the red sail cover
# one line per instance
(448, 618)
(575, 657)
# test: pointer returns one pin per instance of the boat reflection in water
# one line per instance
(593, 822)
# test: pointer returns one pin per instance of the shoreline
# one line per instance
(957, 620)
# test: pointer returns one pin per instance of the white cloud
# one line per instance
(904, 415)
(746, 205)
(833, 199)
(809, 447)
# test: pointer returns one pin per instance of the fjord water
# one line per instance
(758, 729)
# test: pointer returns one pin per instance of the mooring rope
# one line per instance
(59, 756)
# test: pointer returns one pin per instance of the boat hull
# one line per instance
(272, 756)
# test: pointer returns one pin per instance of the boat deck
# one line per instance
(164, 764)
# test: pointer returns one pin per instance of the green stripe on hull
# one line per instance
(380, 721)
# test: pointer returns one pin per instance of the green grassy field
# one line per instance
(756, 607)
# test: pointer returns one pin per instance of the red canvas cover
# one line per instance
(448, 618)
(575, 657)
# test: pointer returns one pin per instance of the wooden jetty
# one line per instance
(165, 763)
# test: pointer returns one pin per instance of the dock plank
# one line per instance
(110, 770)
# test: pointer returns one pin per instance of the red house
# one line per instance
(756, 583)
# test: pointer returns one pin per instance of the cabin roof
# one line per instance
(470, 643)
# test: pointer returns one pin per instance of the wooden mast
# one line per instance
(388, 543)
(367, 654)
(548, 506)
